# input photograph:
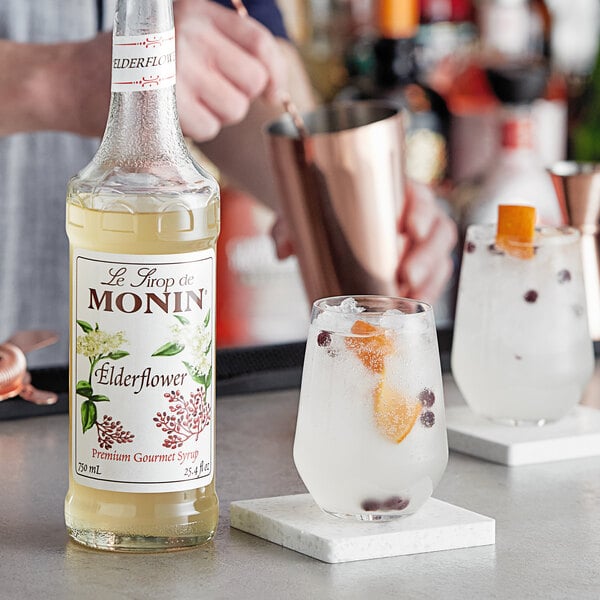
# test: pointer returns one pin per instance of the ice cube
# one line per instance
(405, 322)
(349, 306)
(331, 319)
(340, 317)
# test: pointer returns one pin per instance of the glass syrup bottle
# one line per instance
(142, 220)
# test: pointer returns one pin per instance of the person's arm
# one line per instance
(224, 63)
(61, 87)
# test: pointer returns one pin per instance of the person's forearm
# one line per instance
(24, 93)
(240, 150)
(60, 87)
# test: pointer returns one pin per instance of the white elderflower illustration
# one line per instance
(99, 343)
(196, 339)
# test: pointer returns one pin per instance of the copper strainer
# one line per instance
(15, 380)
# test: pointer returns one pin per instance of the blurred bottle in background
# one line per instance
(518, 175)
(446, 27)
(395, 76)
(326, 35)
(510, 31)
(359, 58)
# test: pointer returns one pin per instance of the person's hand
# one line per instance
(426, 239)
(224, 62)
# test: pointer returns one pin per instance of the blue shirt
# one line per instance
(264, 11)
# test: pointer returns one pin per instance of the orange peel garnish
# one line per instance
(370, 345)
(516, 230)
(395, 414)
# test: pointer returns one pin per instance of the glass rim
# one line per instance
(568, 168)
(330, 303)
(323, 120)
(561, 235)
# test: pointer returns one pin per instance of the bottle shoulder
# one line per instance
(144, 174)
(147, 188)
(513, 184)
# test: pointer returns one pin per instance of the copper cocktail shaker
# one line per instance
(342, 189)
(578, 188)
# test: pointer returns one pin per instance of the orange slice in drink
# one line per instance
(516, 230)
(370, 345)
(395, 414)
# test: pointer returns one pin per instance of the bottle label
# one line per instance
(517, 133)
(143, 62)
(142, 371)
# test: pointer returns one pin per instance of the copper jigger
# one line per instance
(577, 186)
(342, 187)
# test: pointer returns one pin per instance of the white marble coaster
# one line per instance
(296, 522)
(575, 436)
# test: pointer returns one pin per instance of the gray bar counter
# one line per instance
(547, 526)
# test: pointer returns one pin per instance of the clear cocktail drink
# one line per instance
(521, 351)
(371, 438)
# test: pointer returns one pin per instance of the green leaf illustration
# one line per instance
(117, 354)
(192, 372)
(208, 348)
(204, 380)
(169, 349)
(88, 415)
(208, 379)
(84, 388)
(99, 398)
(182, 320)
(85, 326)
(207, 318)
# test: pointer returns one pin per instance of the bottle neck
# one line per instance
(143, 119)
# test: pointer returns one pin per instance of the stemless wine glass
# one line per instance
(522, 353)
(371, 436)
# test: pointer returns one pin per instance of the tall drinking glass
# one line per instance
(371, 436)
(522, 352)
